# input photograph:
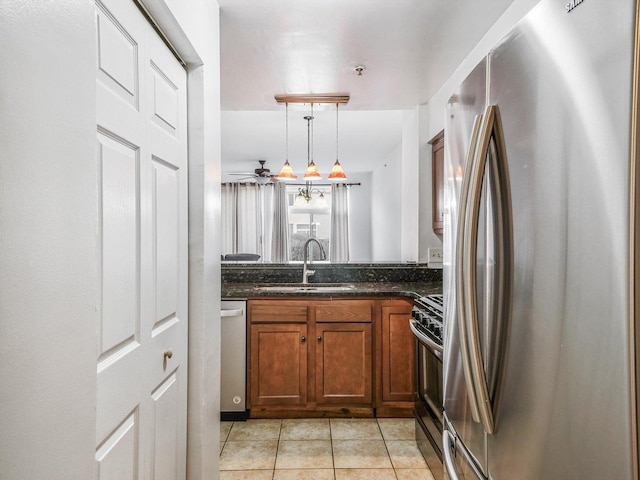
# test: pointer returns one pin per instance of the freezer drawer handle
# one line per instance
(448, 445)
(231, 313)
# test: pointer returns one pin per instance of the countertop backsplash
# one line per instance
(329, 273)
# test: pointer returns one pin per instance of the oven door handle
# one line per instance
(422, 338)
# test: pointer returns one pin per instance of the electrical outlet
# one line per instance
(435, 255)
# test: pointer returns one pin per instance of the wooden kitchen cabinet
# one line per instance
(437, 183)
(278, 364)
(396, 362)
(277, 354)
(344, 359)
(337, 357)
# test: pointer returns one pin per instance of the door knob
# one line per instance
(168, 353)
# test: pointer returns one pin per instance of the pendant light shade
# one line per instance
(286, 174)
(312, 172)
(337, 173)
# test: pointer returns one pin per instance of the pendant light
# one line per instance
(337, 173)
(312, 172)
(286, 174)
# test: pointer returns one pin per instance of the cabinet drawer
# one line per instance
(278, 313)
(348, 311)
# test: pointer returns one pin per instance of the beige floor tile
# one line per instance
(413, 474)
(304, 474)
(398, 428)
(306, 429)
(255, 430)
(246, 475)
(225, 428)
(249, 455)
(296, 454)
(221, 447)
(365, 474)
(360, 454)
(405, 454)
(355, 429)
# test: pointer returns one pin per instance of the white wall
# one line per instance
(386, 205)
(409, 187)
(360, 217)
(48, 246)
(427, 237)
(48, 225)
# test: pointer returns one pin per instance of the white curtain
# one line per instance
(241, 218)
(267, 221)
(339, 244)
(228, 227)
(280, 232)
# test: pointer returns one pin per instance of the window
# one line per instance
(308, 220)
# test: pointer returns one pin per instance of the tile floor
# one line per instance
(319, 449)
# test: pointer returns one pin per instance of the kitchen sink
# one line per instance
(320, 288)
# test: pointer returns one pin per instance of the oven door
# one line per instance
(428, 405)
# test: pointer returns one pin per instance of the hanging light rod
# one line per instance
(313, 98)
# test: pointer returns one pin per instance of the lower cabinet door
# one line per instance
(398, 354)
(343, 363)
(278, 364)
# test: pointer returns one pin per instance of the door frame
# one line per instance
(179, 28)
(634, 251)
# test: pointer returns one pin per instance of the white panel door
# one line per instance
(142, 153)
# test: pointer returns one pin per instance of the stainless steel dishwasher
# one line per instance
(233, 361)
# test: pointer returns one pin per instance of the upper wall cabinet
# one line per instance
(437, 182)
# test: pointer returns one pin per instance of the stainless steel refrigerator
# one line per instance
(536, 365)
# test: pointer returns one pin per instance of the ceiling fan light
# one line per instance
(337, 173)
(312, 172)
(286, 174)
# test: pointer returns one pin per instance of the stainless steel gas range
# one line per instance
(426, 324)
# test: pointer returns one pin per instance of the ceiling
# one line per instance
(268, 47)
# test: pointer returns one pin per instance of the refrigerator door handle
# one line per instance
(491, 138)
(461, 270)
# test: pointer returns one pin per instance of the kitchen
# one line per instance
(59, 340)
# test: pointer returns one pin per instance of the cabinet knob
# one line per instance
(168, 353)
(320, 338)
(303, 339)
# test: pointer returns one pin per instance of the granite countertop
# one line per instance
(361, 289)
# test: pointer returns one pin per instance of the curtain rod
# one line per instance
(356, 184)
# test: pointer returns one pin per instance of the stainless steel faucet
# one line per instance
(306, 273)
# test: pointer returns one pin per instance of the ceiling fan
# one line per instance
(261, 175)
